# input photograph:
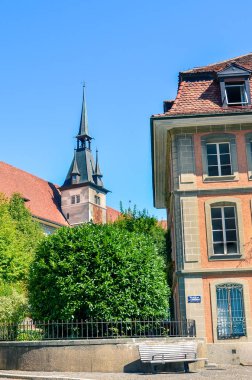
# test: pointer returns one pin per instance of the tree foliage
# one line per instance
(97, 271)
(19, 235)
(13, 303)
(134, 220)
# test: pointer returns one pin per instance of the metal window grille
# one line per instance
(231, 322)
(219, 159)
(224, 230)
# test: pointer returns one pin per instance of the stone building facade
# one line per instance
(202, 162)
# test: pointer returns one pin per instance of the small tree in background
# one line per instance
(98, 271)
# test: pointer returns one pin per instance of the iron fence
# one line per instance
(74, 329)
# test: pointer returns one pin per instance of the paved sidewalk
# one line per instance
(222, 373)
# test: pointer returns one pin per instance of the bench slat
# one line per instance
(165, 353)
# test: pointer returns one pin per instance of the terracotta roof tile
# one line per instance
(242, 60)
(199, 94)
(112, 214)
(43, 198)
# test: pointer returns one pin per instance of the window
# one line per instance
(234, 86)
(224, 230)
(74, 178)
(97, 200)
(219, 159)
(75, 199)
(236, 94)
(230, 311)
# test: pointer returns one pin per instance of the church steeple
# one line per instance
(83, 196)
(83, 138)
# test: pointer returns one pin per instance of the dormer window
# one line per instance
(75, 179)
(236, 94)
(234, 86)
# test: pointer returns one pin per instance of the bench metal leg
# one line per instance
(153, 368)
(186, 367)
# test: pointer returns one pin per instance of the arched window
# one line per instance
(224, 228)
(231, 321)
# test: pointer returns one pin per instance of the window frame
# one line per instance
(75, 199)
(246, 302)
(248, 140)
(218, 138)
(231, 83)
(97, 200)
(225, 230)
(218, 154)
(227, 323)
(220, 202)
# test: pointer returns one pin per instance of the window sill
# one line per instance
(237, 256)
(223, 178)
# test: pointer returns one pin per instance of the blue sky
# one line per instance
(129, 53)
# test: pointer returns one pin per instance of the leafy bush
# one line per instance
(97, 271)
(13, 303)
(23, 335)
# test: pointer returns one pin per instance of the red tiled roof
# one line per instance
(163, 224)
(197, 95)
(43, 197)
(242, 60)
(112, 214)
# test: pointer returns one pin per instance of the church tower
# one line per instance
(83, 196)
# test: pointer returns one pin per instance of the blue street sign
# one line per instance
(194, 299)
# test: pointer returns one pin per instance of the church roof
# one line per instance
(42, 197)
(83, 163)
(84, 160)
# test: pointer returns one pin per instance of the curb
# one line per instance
(13, 375)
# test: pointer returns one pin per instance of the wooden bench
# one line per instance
(185, 352)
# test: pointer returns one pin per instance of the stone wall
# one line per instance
(117, 355)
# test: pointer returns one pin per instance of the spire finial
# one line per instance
(83, 130)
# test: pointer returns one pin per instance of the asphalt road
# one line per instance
(222, 373)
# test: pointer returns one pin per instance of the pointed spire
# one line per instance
(97, 167)
(75, 169)
(83, 130)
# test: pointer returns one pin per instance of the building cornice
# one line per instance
(215, 191)
(213, 272)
